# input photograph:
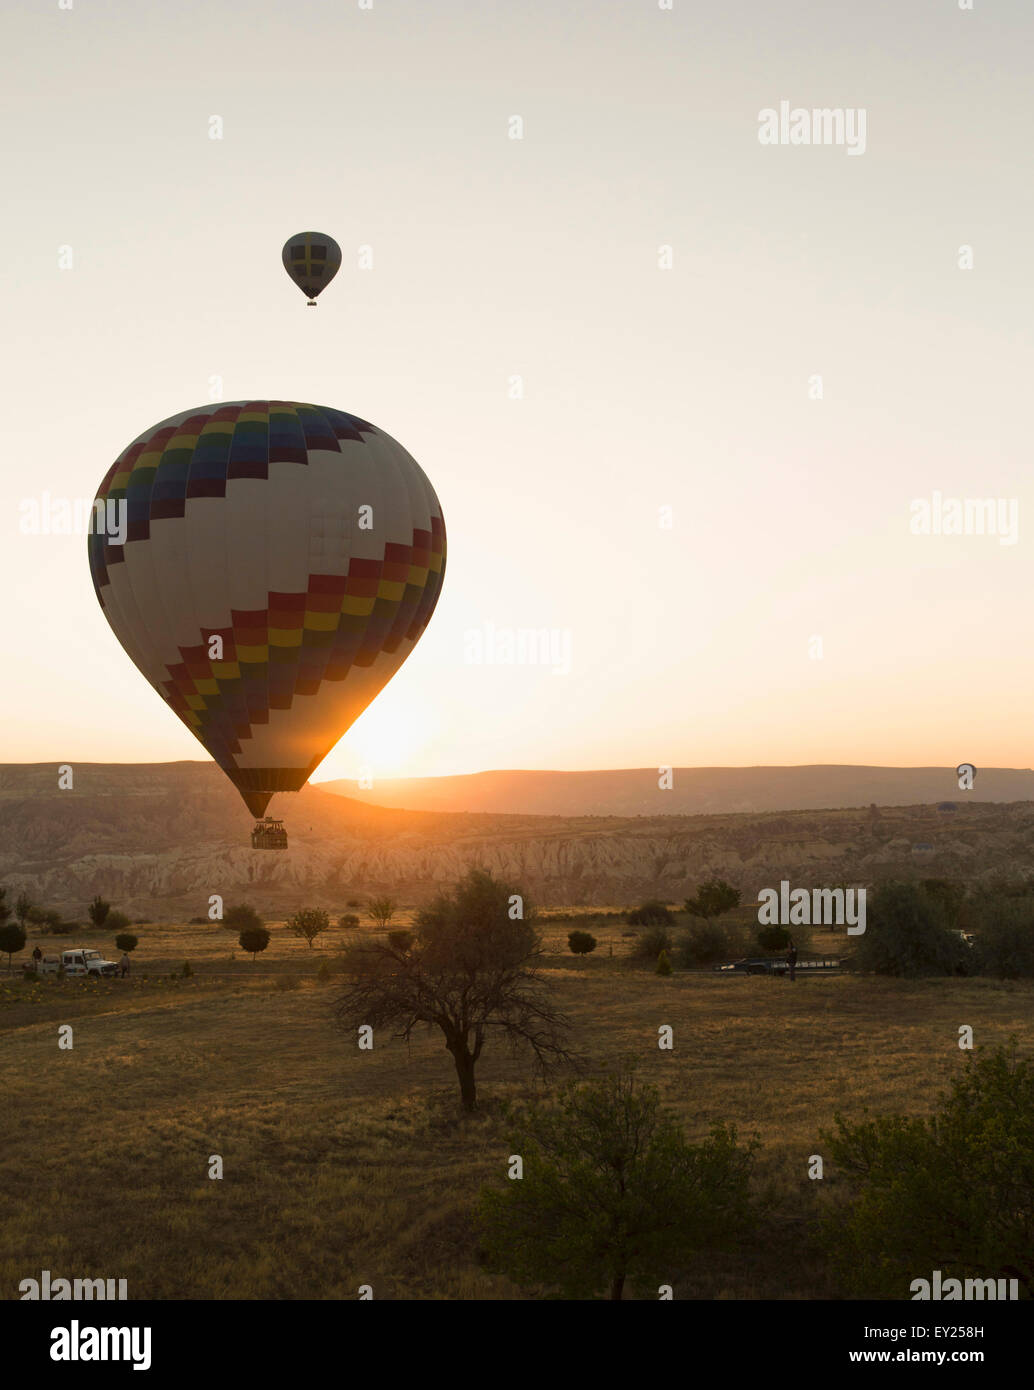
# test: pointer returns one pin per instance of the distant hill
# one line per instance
(158, 839)
(695, 791)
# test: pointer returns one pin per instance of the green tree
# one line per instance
(906, 935)
(1005, 941)
(98, 911)
(952, 1191)
(773, 938)
(612, 1193)
(472, 971)
(241, 916)
(713, 899)
(663, 964)
(12, 939)
(116, 921)
(22, 908)
(381, 910)
(126, 941)
(254, 939)
(308, 923)
(580, 943)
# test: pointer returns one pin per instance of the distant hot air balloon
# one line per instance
(312, 260)
(279, 562)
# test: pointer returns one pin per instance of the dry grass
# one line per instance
(344, 1168)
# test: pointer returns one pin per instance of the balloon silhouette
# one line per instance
(268, 566)
(312, 260)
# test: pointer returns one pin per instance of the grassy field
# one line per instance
(345, 1168)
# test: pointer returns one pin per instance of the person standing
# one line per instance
(791, 960)
(123, 964)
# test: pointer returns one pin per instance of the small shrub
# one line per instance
(652, 913)
(580, 943)
(652, 942)
(187, 971)
(663, 964)
(349, 921)
(773, 938)
(323, 974)
(116, 922)
(703, 943)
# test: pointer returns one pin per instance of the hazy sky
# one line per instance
(643, 387)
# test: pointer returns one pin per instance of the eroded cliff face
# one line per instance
(159, 839)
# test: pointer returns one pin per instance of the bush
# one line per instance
(98, 911)
(323, 974)
(348, 922)
(241, 917)
(116, 922)
(663, 964)
(653, 913)
(580, 943)
(401, 941)
(652, 942)
(1005, 944)
(906, 936)
(713, 898)
(773, 938)
(126, 941)
(703, 943)
(254, 939)
(953, 1191)
(187, 971)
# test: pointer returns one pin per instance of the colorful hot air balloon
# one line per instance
(278, 564)
(312, 260)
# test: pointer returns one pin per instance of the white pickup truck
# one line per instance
(81, 960)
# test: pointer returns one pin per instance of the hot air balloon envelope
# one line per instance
(278, 564)
(312, 259)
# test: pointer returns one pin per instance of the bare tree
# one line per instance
(381, 910)
(470, 969)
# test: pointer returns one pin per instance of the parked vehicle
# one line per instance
(80, 960)
(757, 965)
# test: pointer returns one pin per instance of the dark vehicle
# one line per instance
(757, 965)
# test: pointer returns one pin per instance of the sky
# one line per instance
(683, 395)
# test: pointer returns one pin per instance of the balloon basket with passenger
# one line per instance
(269, 833)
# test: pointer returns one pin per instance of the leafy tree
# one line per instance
(612, 1192)
(652, 942)
(254, 939)
(401, 941)
(472, 970)
(703, 943)
(12, 939)
(773, 938)
(98, 911)
(22, 907)
(663, 964)
(241, 916)
(1005, 942)
(308, 923)
(126, 941)
(949, 895)
(5, 910)
(381, 910)
(652, 913)
(906, 935)
(580, 943)
(713, 898)
(116, 921)
(348, 921)
(952, 1191)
